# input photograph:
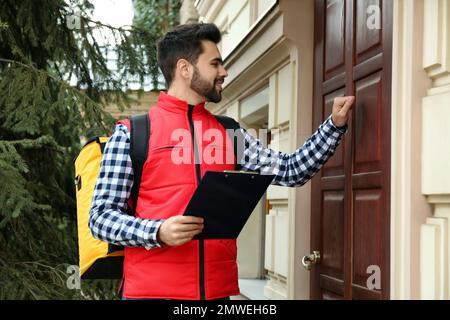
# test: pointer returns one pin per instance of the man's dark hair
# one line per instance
(184, 42)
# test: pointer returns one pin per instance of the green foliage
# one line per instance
(55, 82)
(157, 16)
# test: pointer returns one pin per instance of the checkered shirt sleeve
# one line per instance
(292, 170)
(109, 222)
(108, 219)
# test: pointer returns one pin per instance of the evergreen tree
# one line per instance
(156, 16)
(54, 85)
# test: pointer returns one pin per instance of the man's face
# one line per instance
(209, 73)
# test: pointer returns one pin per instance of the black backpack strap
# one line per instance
(237, 138)
(140, 135)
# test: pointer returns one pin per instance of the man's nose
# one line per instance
(223, 72)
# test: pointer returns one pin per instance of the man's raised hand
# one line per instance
(341, 110)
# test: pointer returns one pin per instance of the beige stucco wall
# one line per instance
(420, 152)
(299, 29)
(234, 18)
(408, 206)
(435, 281)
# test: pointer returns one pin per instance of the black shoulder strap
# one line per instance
(227, 122)
(140, 135)
(237, 139)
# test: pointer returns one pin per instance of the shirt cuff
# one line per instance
(151, 229)
(340, 130)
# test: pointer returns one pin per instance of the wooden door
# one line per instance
(350, 222)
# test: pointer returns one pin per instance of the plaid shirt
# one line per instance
(109, 222)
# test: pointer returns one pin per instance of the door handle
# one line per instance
(310, 260)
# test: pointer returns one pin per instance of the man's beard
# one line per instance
(204, 88)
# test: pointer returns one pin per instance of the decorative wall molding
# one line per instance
(436, 47)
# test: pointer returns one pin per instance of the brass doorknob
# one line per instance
(310, 260)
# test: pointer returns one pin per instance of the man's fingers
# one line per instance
(186, 237)
(189, 235)
(340, 101)
(189, 219)
(187, 227)
(348, 104)
(179, 229)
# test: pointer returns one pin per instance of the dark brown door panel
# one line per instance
(350, 222)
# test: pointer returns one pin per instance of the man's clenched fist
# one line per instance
(341, 110)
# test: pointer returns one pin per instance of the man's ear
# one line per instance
(184, 69)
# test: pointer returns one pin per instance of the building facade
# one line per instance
(379, 211)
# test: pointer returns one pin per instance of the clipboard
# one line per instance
(225, 200)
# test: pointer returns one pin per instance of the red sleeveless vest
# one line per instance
(199, 269)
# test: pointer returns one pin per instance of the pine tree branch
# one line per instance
(40, 71)
(63, 83)
(124, 28)
(40, 53)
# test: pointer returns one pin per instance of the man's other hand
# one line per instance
(341, 110)
(178, 230)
